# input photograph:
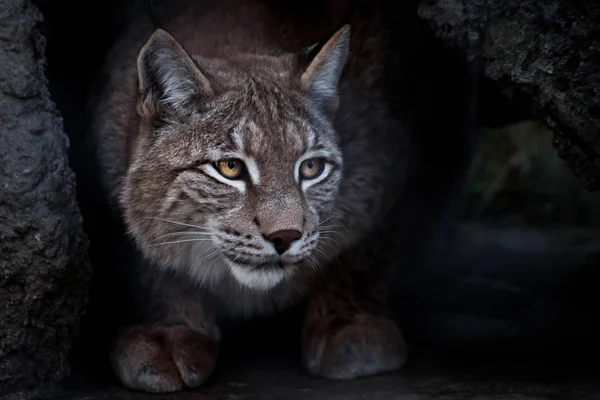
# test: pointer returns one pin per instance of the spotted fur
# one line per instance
(241, 81)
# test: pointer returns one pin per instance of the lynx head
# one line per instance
(235, 165)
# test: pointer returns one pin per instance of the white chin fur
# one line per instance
(259, 280)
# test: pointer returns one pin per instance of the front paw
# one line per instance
(162, 359)
(348, 348)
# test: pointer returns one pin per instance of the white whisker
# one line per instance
(332, 232)
(331, 246)
(236, 258)
(183, 233)
(331, 225)
(177, 223)
(330, 259)
(327, 238)
(330, 229)
(216, 253)
(180, 241)
(326, 219)
(314, 263)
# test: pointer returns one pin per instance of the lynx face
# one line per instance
(236, 165)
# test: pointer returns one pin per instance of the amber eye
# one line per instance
(231, 168)
(312, 168)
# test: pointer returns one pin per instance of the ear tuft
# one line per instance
(321, 78)
(169, 80)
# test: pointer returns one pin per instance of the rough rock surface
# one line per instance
(546, 50)
(44, 270)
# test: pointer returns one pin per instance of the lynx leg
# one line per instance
(347, 333)
(163, 359)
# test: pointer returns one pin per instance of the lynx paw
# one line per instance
(341, 348)
(162, 359)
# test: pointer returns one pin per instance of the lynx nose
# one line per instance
(282, 240)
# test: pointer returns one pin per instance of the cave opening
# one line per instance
(526, 311)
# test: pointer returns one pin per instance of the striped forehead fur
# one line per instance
(252, 109)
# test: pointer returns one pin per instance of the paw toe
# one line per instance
(149, 379)
(161, 360)
(361, 347)
(194, 356)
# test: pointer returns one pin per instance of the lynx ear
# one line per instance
(169, 80)
(320, 79)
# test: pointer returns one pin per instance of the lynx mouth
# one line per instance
(276, 263)
(261, 276)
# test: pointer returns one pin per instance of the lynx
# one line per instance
(256, 163)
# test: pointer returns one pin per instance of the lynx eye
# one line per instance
(231, 168)
(312, 168)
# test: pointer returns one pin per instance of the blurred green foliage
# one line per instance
(517, 174)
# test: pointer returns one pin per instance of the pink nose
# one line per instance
(282, 240)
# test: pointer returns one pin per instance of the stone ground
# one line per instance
(486, 373)
(416, 383)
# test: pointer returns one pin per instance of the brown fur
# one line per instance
(243, 73)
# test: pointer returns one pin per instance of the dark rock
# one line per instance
(44, 271)
(548, 50)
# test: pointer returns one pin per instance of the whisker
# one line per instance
(236, 258)
(332, 232)
(180, 241)
(327, 219)
(309, 262)
(176, 223)
(327, 238)
(206, 257)
(314, 262)
(331, 246)
(331, 226)
(330, 259)
(218, 253)
(328, 230)
(183, 233)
